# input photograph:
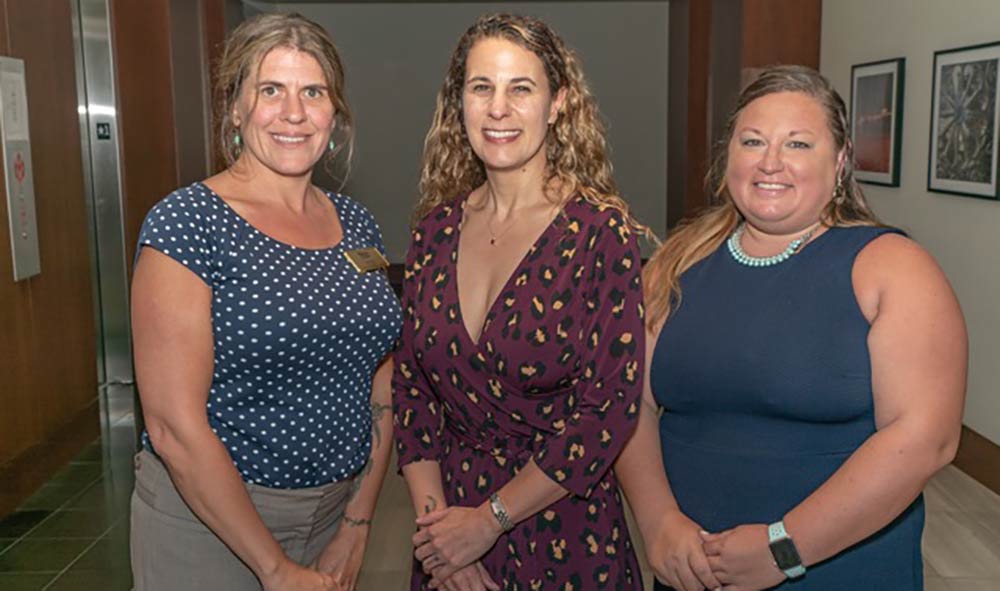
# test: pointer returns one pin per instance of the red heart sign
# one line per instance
(19, 168)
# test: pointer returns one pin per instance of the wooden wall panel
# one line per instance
(677, 156)
(781, 32)
(141, 41)
(698, 124)
(214, 30)
(190, 116)
(714, 46)
(47, 348)
(979, 457)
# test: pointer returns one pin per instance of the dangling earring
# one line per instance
(333, 145)
(237, 140)
(838, 190)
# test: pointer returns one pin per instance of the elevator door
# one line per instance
(102, 177)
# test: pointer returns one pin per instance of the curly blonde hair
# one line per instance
(576, 145)
(698, 237)
(242, 54)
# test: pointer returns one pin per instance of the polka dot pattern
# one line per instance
(298, 334)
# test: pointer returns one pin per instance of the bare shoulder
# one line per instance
(893, 266)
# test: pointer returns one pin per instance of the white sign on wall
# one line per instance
(16, 144)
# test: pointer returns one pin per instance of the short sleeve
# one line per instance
(178, 226)
(613, 341)
(361, 220)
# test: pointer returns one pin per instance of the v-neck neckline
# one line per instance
(459, 214)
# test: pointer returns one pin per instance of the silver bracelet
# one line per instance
(500, 512)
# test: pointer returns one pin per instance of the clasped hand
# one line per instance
(452, 540)
(740, 558)
(343, 556)
(690, 559)
(290, 576)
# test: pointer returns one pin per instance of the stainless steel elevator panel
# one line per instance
(99, 137)
(88, 188)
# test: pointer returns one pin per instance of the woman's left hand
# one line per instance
(452, 538)
(740, 558)
(343, 556)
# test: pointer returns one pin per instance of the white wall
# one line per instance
(962, 233)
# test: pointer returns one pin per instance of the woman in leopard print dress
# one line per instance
(520, 368)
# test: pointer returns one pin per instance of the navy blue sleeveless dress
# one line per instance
(765, 380)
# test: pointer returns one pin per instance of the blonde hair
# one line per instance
(576, 145)
(245, 49)
(699, 236)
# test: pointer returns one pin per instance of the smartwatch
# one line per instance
(786, 556)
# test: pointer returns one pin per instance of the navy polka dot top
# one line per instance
(298, 334)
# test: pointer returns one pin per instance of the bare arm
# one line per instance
(172, 331)
(344, 555)
(368, 483)
(424, 482)
(919, 354)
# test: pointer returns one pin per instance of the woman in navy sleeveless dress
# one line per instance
(809, 363)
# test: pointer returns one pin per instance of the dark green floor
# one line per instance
(73, 533)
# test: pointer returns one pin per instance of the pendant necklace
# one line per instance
(493, 235)
(489, 224)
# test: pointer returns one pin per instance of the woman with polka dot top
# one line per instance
(520, 369)
(261, 342)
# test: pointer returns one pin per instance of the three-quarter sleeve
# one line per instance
(415, 405)
(612, 341)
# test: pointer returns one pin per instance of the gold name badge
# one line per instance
(367, 259)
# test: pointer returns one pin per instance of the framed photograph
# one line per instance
(963, 142)
(877, 120)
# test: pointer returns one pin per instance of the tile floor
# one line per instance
(73, 533)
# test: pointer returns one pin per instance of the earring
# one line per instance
(333, 145)
(838, 190)
(237, 140)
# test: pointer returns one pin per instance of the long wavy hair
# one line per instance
(697, 237)
(576, 149)
(242, 54)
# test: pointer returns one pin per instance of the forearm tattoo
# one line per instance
(378, 411)
(356, 522)
(431, 505)
(359, 480)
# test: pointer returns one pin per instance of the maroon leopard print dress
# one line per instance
(556, 376)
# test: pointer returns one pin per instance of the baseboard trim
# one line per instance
(979, 458)
(29, 470)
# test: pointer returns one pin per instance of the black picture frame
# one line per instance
(877, 92)
(965, 112)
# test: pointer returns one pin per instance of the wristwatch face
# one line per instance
(785, 554)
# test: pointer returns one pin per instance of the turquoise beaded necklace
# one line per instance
(743, 258)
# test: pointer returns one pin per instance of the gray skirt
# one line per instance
(172, 549)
